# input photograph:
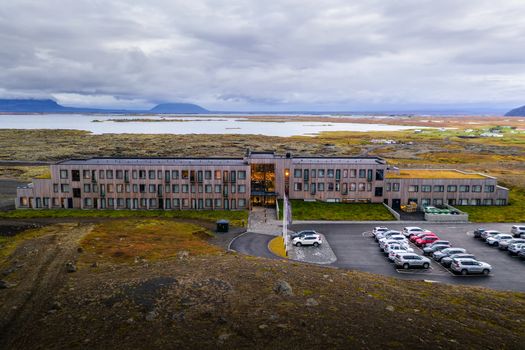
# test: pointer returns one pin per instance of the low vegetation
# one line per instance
(236, 217)
(125, 241)
(302, 210)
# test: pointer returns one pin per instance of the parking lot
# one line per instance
(355, 248)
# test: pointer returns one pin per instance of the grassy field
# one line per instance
(151, 239)
(302, 210)
(514, 212)
(237, 218)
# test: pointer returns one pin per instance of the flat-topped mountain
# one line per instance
(516, 112)
(50, 106)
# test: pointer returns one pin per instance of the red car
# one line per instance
(413, 238)
(423, 241)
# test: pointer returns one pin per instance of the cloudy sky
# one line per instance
(266, 55)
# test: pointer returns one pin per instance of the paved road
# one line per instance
(354, 250)
(255, 244)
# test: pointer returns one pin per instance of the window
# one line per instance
(464, 188)
(208, 188)
(241, 175)
(176, 203)
(142, 188)
(75, 175)
(63, 174)
(489, 188)
(218, 203)
(175, 188)
(86, 174)
(110, 188)
(438, 201)
(345, 173)
(185, 188)
(64, 188)
(476, 188)
(87, 188)
(168, 188)
(439, 188)
(152, 188)
(338, 174)
(159, 174)
(120, 188)
(395, 187)
(463, 201)
(152, 202)
(208, 203)
(361, 186)
(320, 173)
(142, 174)
(452, 188)
(331, 186)
(501, 201)
(297, 173)
(380, 174)
(242, 203)
(330, 173)
(368, 186)
(94, 188)
(388, 187)
(55, 188)
(167, 176)
(76, 192)
(320, 186)
(217, 175)
(297, 186)
(192, 188)
(306, 175)
(88, 202)
(475, 201)
(109, 174)
(425, 201)
(378, 192)
(207, 175)
(426, 188)
(218, 189)
(413, 188)
(151, 174)
(352, 186)
(168, 201)
(135, 188)
(353, 173)
(487, 201)
(134, 174)
(362, 173)
(242, 188)
(369, 175)
(314, 173)
(119, 174)
(345, 188)
(174, 176)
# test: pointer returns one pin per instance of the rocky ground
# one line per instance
(53, 299)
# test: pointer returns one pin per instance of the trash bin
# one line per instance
(223, 226)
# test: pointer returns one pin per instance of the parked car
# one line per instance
(436, 246)
(413, 238)
(410, 260)
(387, 234)
(447, 260)
(303, 233)
(489, 233)
(504, 245)
(521, 253)
(307, 240)
(423, 241)
(517, 230)
(515, 248)
(401, 244)
(495, 240)
(413, 230)
(397, 248)
(478, 232)
(438, 255)
(470, 266)
(379, 229)
(393, 239)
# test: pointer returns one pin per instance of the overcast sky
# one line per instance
(266, 55)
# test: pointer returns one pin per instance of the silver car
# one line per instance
(411, 260)
(489, 233)
(447, 260)
(517, 230)
(447, 252)
(436, 246)
(504, 245)
(386, 234)
(515, 248)
(394, 249)
(470, 266)
(391, 239)
(495, 240)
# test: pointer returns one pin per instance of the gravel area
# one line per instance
(317, 255)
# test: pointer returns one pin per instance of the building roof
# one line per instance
(433, 174)
(155, 161)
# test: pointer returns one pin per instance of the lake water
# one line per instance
(203, 124)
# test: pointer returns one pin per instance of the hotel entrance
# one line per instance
(263, 185)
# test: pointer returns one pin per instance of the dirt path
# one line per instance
(39, 273)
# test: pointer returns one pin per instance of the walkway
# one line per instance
(264, 220)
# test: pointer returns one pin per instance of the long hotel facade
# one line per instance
(258, 178)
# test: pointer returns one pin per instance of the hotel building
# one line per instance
(258, 178)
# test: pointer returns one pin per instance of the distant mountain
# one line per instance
(178, 108)
(516, 112)
(50, 106)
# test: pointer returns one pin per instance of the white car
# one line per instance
(392, 239)
(495, 240)
(386, 234)
(314, 240)
(412, 230)
(515, 248)
(379, 229)
(392, 249)
(518, 230)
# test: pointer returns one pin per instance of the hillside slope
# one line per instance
(516, 112)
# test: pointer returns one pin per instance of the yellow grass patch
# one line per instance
(433, 174)
(151, 239)
(276, 246)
